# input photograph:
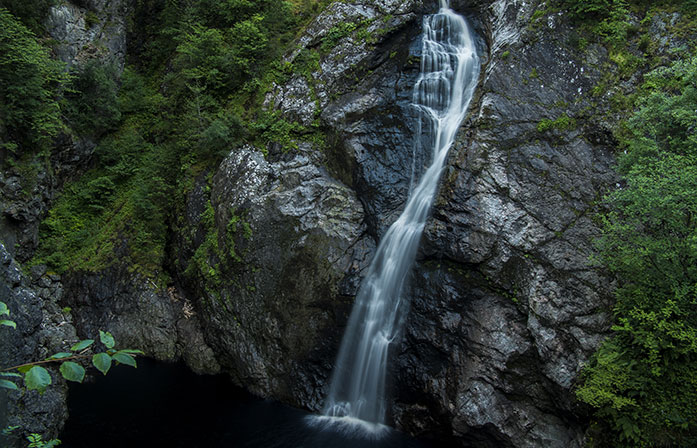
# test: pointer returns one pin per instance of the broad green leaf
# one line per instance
(10, 374)
(24, 369)
(8, 323)
(131, 351)
(125, 358)
(5, 384)
(4, 309)
(82, 345)
(8, 430)
(102, 362)
(61, 355)
(107, 339)
(72, 371)
(37, 378)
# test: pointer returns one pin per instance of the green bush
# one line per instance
(642, 381)
(30, 82)
(31, 13)
(92, 107)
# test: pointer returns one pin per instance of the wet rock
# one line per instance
(42, 329)
(139, 314)
(512, 236)
(298, 238)
(506, 305)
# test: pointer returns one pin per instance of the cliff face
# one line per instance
(505, 304)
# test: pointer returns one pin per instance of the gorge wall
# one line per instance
(506, 305)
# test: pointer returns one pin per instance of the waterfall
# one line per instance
(443, 90)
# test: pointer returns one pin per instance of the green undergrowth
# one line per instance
(196, 78)
(30, 86)
(561, 123)
(642, 382)
(217, 254)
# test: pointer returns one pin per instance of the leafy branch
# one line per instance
(38, 378)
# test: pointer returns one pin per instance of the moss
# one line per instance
(562, 123)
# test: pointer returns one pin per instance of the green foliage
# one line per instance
(36, 441)
(91, 19)
(107, 339)
(582, 9)
(272, 127)
(31, 13)
(192, 92)
(335, 34)
(92, 107)
(29, 85)
(102, 362)
(562, 123)
(82, 345)
(37, 378)
(4, 311)
(72, 371)
(642, 380)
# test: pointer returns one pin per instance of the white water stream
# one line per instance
(449, 72)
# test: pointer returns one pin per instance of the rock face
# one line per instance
(139, 315)
(82, 31)
(299, 240)
(88, 29)
(506, 306)
(506, 303)
(42, 329)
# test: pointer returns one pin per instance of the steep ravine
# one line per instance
(505, 304)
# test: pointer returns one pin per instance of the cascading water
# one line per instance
(449, 72)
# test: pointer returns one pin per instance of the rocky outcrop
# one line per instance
(43, 328)
(89, 29)
(363, 87)
(506, 305)
(82, 31)
(139, 314)
(511, 306)
(299, 242)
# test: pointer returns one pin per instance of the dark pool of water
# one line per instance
(165, 405)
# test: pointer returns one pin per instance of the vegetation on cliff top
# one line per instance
(192, 91)
(643, 380)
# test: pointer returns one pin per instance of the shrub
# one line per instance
(642, 380)
(30, 82)
(92, 99)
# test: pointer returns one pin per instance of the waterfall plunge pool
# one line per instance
(166, 405)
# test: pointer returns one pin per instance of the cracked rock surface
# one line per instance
(506, 305)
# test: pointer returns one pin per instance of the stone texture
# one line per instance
(140, 315)
(42, 329)
(506, 304)
(272, 321)
(511, 240)
(95, 29)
